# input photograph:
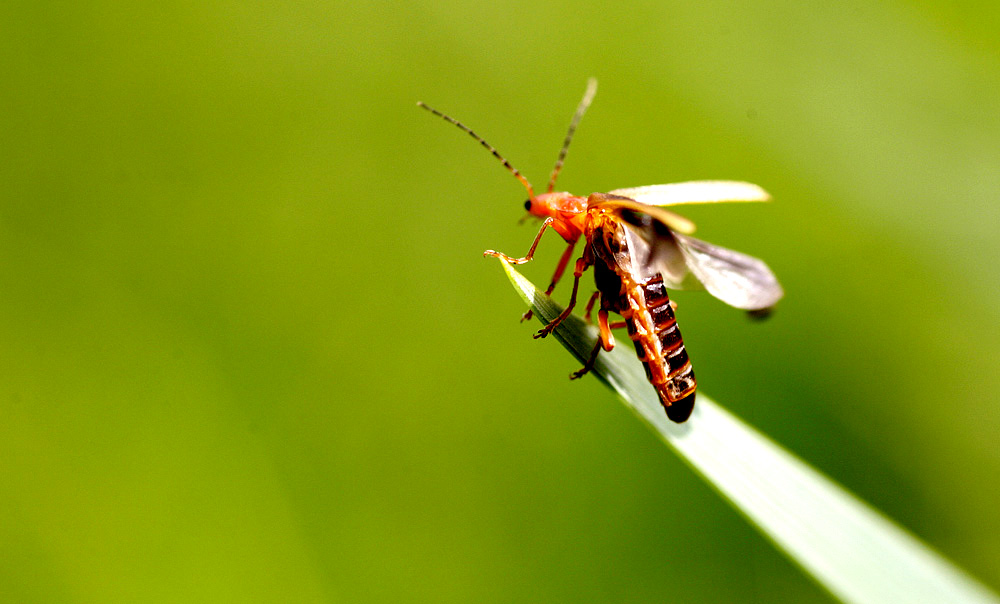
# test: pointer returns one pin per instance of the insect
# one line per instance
(638, 251)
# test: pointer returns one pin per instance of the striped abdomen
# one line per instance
(645, 306)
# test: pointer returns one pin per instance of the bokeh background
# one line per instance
(250, 350)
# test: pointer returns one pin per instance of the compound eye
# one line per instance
(527, 205)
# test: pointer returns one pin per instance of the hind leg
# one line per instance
(606, 341)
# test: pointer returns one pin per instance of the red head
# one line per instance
(568, 211)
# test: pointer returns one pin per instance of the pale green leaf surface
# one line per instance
(848, 547)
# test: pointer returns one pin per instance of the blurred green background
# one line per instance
(251, 350)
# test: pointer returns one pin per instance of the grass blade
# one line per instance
(848, 547)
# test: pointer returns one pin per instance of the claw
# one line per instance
(497, 254)
(579, 373)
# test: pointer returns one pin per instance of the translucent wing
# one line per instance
(696, 191)
(688, 263)
(648, 252)
(736, 279)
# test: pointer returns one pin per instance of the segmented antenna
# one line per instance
(588, 96)
(489, 147)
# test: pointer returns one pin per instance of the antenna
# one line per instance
(588, 96)
(489, 147)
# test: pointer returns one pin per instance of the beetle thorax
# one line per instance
(607, 238)
(569, 212)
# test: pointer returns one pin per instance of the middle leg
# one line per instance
(581, 265)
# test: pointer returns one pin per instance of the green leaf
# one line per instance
(848, 547)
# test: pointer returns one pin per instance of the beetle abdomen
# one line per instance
(659, 345)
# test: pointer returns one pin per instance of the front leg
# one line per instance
(531, 251)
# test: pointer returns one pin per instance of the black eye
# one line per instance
(527, 205)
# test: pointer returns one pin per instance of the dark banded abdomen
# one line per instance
(645, 306)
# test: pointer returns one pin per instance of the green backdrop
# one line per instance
(250, 351)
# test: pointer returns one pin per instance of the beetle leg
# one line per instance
(531, 251)
(606, 342)
(590, 307)
(560, 269)
(619, 325)
(581, 265)
(588, 365)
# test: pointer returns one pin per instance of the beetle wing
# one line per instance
(650, 253)
(649, 234)
(616, 203)
(736, 279)
(684, 262)
(695, 191)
